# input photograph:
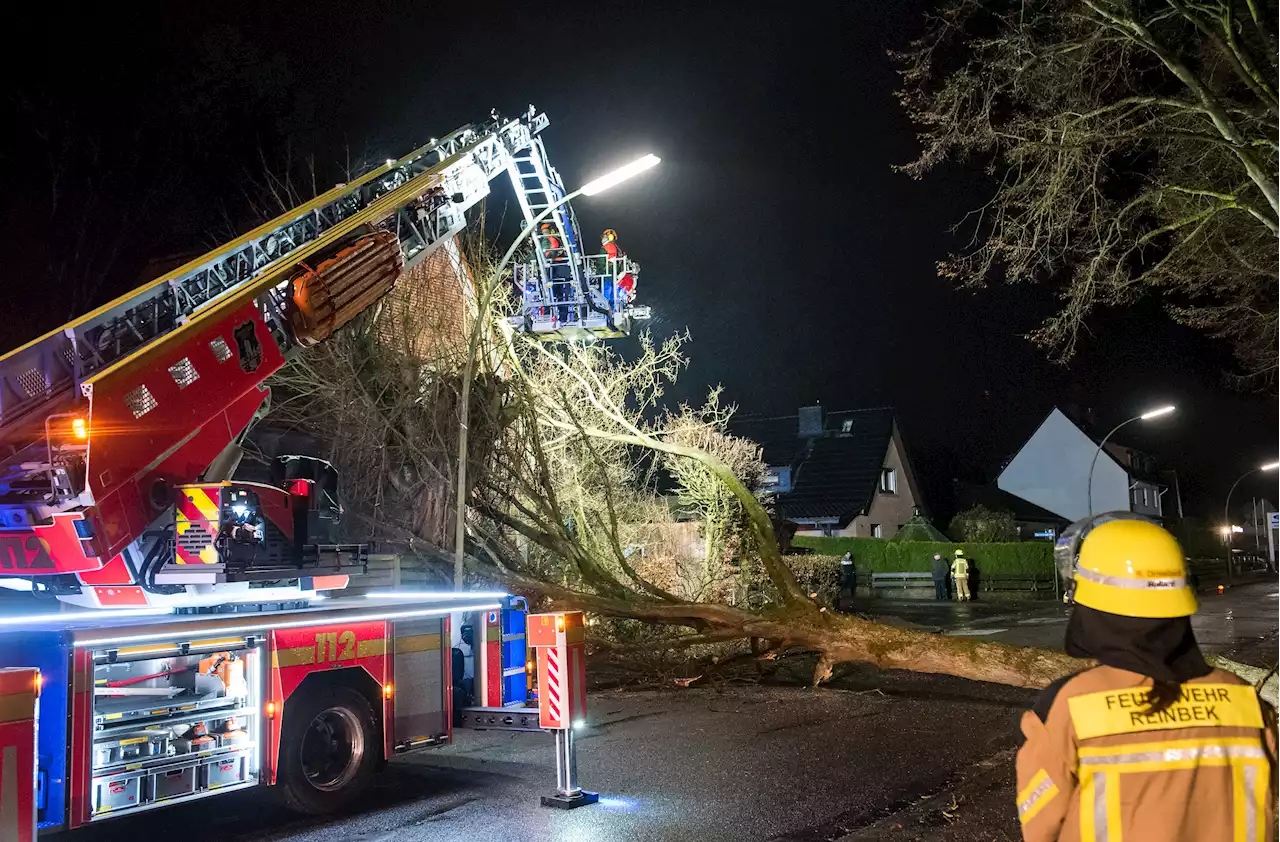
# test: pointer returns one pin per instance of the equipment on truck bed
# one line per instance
(120, 431)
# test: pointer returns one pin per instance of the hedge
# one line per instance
(876, 555)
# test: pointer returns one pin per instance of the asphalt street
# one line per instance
(742, 763)
(877, 755)
(1239, 623)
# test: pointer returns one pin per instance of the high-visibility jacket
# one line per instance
(611, 250)
(1098, 767)
(960, 568)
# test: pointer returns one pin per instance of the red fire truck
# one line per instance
(209, 660)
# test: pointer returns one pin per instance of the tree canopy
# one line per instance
(982, 524)
(1133, 146)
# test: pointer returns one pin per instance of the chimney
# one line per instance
(811, 422)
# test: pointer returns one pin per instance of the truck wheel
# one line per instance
(329, 751)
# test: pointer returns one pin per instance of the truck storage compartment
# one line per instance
(172, 783)
(173, 721)
(117, 792)
(226, 771)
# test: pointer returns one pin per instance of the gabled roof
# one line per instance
(835, 474)
(1083, 428)
(920, 529)
(994, 497)
(777, 436)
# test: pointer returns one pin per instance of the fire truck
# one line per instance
(204, 645)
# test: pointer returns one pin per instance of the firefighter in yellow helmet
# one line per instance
(1152, 744)
(960, 573)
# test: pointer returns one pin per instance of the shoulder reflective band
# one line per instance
(1033, 798)
(1199, 706)
(1166, 583)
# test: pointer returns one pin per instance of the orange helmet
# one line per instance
(608, 236)
(545, 227)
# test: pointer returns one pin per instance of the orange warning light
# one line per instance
(271, 710)
(386, 691)
(1219, 588)
(559, 622)
(80, 429)
(39, 683)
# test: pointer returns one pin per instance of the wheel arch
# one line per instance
(355, 678)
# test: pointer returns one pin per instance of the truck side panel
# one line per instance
(46, 652)
(80, 740)
(421, 676)
(299, 652)
(18, 753)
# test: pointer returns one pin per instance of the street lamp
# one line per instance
(591, 188)
(1226, 511)
(1146, 416)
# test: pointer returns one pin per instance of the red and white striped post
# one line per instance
(559, 639)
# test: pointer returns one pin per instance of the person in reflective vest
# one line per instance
(960, 572)
(1152, 744)
(552, 249)
(626, 283)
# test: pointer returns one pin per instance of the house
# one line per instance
(1051, 470)
(836, 473)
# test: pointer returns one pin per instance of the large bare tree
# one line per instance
(1133, 148)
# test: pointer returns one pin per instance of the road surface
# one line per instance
(880, 755)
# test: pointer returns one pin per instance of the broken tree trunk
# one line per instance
(837, 638)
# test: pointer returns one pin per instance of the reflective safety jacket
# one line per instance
(1098, 767)
(960, 568)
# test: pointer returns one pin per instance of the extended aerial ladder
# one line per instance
(120, 430)
(565, 293)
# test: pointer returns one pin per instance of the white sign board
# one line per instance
(1273, 520)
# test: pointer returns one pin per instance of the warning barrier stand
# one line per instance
(559, 639)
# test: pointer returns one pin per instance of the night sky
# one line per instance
(775, 229)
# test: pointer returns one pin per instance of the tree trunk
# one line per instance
(843, 638)
(836, 637)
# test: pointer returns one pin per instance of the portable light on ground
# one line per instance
(80, 429)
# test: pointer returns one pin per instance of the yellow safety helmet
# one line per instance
(608, 236)
(1133, 568)
(959, 552)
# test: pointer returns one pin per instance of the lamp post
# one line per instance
(1226, 511)
(591, 188)
(1146, 416)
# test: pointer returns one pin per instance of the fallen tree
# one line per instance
(571, 438)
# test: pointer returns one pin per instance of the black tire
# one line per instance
(330, 749)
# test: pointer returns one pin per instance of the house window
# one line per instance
(888, 481)
(876, 532)
(846, 426)
(827, 530)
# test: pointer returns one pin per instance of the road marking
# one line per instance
(972, 632)
(1042, 621)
